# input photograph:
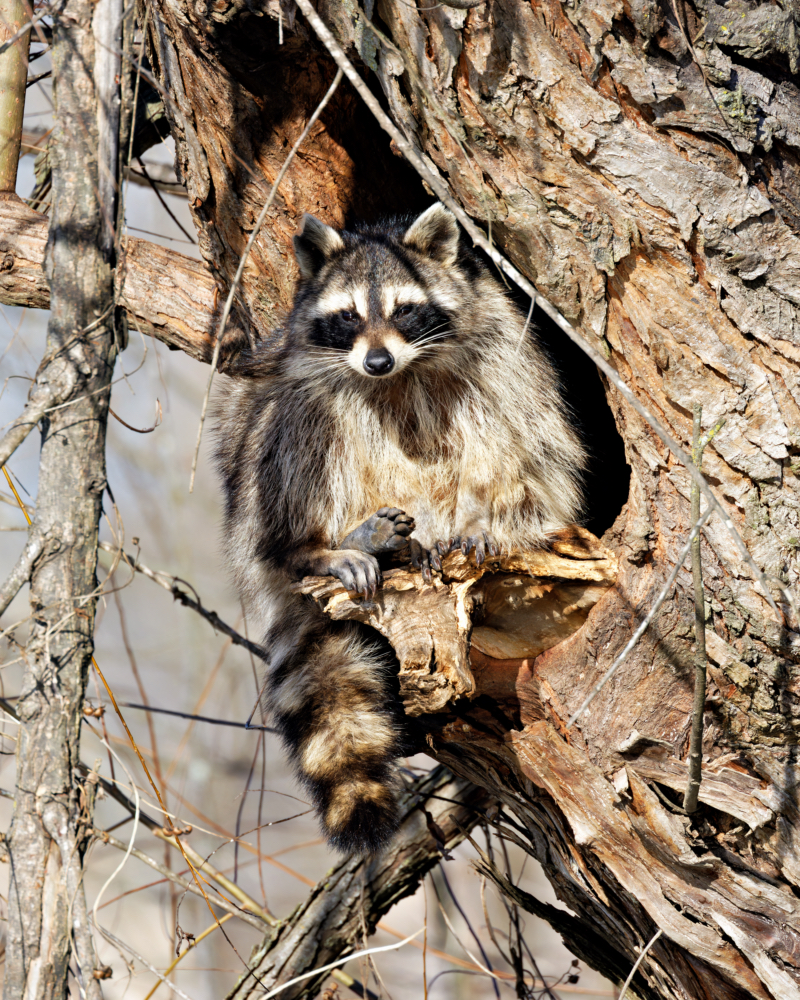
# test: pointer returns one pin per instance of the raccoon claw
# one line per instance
(357, 571)
(425, 560)
(482, 542)
(386, 531)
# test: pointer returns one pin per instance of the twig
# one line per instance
(46, 12)
(192, 944)
(164, 205)
(339, 961)
(144, 962)
(123, 624)
(486, 971)
(632, 973)
(197, 718)
(131, 841)
(141, 430)
(438, 185)
(21, 572)
(696, 740)
(470, 928)
(17, 497)
(170, 583)
(665, 592)
(28, 419)
(240, 269)
(185, 883)
(690, 45)
(189, 855)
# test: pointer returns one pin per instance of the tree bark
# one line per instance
(13, 75)
(165, 294)
(640, 163)
(48, 920)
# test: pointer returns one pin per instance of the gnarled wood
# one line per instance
(518, 605)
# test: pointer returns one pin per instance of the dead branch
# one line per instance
(189, 885)
(175, 586)
(21, 572)
(166, 295)
(43, 397)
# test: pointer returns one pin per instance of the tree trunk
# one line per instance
(13, 75)
(48, 922)
(640, 164)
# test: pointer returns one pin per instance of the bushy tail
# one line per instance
(331, 701)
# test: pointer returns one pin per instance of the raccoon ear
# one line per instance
(435, 234)
(314, 243)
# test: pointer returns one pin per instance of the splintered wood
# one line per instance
(510, 608)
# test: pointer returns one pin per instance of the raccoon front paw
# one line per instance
(386, 531)
(358, 571)
(425, 559)
(482, 542)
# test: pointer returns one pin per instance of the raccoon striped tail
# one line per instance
(331, 702)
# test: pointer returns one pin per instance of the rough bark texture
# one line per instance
(640, 162)
(649, 186)
(459, 636)
(48, 921)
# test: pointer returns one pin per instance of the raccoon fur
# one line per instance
(405, 409)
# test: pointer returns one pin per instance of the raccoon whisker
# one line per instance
(436, 334)
(429, 333)
(423, 345)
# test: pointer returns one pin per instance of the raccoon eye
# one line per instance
(348, 316)
(403, 311)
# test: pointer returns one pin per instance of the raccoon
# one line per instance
(405, 410)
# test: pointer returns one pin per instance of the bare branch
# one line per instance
(166, 294)
(21, 572)
(144, 962)
(187, 884)
(638, 962)
(174, 585)
(45, 397)
(45, 12)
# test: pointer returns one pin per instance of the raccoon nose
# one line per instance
(378, 361)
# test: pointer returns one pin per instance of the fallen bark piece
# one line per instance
(511, 607)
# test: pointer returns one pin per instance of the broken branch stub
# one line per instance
(512, 607)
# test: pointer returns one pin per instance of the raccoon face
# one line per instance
(376, 301)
